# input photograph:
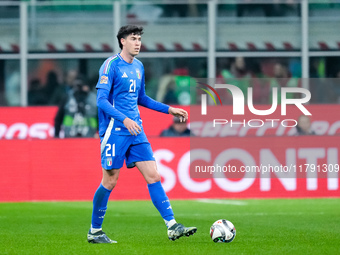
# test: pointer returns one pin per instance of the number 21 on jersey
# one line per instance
(132, 85)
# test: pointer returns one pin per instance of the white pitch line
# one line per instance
(222, 202)
(260, 214)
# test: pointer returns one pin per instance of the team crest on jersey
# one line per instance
(104, 79)
(138, 74)
(109, 162)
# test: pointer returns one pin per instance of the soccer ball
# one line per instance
(222, 231)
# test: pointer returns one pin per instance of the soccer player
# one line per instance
(120, 89)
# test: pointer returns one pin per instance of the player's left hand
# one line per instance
(180, 113)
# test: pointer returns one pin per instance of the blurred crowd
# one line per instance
(262, 76)
(73, 91)
(174, 84)
(248, 8)
(53, 91)
(75, 94)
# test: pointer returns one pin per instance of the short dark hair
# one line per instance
(125, 31)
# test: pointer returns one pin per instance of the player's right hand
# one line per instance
(132, 126)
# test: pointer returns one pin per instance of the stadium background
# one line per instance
(182, 38)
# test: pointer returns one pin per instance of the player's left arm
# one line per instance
(179, 112)
(150, 103)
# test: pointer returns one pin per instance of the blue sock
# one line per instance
(100, 199)
(161, 201)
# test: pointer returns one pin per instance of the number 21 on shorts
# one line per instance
(110, 150)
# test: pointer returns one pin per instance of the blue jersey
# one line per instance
(126, 86)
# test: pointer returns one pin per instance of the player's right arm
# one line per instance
(104, 85)
(104, 104)
(132, 126)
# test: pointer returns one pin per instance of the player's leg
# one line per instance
(113, 148)
(161, 200)
(140, 154)
(158, 196)
(110, 178)
(100, 200)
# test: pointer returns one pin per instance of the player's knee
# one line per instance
(154, 178)
(109, 184)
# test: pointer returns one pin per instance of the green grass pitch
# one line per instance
(268, 226)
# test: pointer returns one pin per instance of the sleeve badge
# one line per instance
(104, 79)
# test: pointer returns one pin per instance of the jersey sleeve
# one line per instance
(104, 85)
(150, 103)
(104, 104)
(106, 75)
